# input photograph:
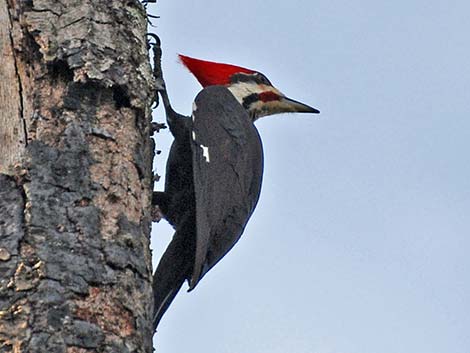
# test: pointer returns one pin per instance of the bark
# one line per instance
(75, 177)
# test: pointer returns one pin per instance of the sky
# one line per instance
(360, 241)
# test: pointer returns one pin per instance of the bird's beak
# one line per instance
(290, 105)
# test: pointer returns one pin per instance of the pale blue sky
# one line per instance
(360, 242)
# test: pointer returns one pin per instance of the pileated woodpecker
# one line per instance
(214, 171)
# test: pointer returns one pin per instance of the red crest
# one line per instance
(210, 73)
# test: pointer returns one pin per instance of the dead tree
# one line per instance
(76, 155)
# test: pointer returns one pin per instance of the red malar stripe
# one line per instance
(268, 96)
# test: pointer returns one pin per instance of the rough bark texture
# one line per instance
(12, 128)
(75, 186)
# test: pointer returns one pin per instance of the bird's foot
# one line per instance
(156, 213)
(160, 84)
(156, 38)
(160, 202)
(156, 127)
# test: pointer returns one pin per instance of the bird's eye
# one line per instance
(263, 79)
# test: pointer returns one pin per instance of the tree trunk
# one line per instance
(75, 177)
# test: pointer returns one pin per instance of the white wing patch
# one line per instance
(205, 149)
(205, 153)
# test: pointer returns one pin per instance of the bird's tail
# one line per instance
(173, 269)
(163, 300)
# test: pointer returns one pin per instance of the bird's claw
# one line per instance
(156, 127)
(156, 38)
(156, 213)
(160, 84)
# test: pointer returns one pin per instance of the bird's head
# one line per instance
(251, 88)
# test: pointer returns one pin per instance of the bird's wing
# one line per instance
(228, 169)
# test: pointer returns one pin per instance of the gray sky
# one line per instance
(360, 241)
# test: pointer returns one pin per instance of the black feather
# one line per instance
(214, 175)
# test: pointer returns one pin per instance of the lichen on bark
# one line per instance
(75, 206)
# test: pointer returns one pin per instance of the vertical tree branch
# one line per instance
(75, 264)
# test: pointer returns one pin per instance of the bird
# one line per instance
(214, 170)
